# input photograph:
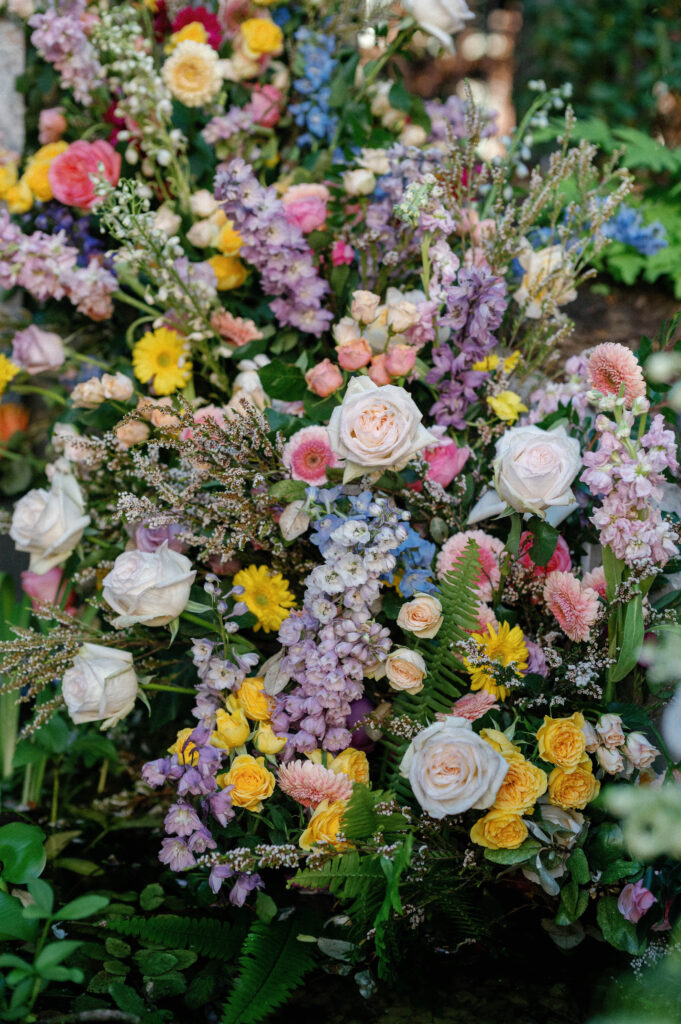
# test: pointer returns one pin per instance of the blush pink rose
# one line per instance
(354, 354)
(46, 587)
(324, 378)
(378, 372)
(400, 360)
(51, 125)
(265, 105)
(69, 173)
(445, 462)
(559, 561)
(37, 351)
(634, 901)
(305, 206)
(341, 253)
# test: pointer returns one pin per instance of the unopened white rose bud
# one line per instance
(294, 521)
(167, 220)
(202, 203)
(413, 135)
(117, 387)
(101, 685)
(202, 234)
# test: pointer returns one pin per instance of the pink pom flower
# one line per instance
(264, 105)
(559, 561)
(234, 329)
(51, 125)
(309, 783)
(341, 253)
(489, 551)
(305, 206)
(634, 901)
(69, 173)
(575, 607)
(354, 354)
(308, 453)
(474, 705)
(324, 378)
(596, 580)
(611, 366)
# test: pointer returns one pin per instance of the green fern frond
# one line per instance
(273, 964)
(206, 936)
(346, 875)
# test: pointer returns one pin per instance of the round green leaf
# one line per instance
(21, 852)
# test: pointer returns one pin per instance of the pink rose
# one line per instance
(341, 253)
(69, 173)
(264, 105)
(445, 461)
(634, 901)
(559, 561)
(378, 372)
(51, 125)
(36, 351)
(356, 353)
(46, 587)
(400, 360)
(324, 378)
(305, 206)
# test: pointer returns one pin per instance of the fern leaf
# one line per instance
(206, 936)
(273, 964)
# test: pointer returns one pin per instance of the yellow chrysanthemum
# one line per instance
(506, 647)
(8, 371)
(192, 73)
(507, 406)
(229, 271)
(228, 241)
(261, 36)
(194, 31)
(266, 594)
(159, 358)
(487, 364)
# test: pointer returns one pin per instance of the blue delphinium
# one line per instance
(628, 227)
(317, 63)
(414, 559)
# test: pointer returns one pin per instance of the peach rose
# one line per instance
(421, 616)
(405, 670)
(324, 378)
(354, 354)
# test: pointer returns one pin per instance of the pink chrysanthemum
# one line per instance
(309, 783)
(596, 580)
(474, 705)
(234, 329)
(574, 606)
(308, 453)
(489, 550)
(611, 366)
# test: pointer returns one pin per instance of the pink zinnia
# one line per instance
(611, 366)
(308, 453)
(474, 705)
(309, 783)
(559, 561)
(596, 580)
(489, 551)
(574, 606)
(234, 329)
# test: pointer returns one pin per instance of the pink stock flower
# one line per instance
(489, 551)
(354, 354)
(324, 378)
(596, 580)
(574, 607)
(264, 105)
(234, 329)
(51, 125)
(305, 206)
(634, 901)
(378, 372)
(341, 253)
(474, 705)
(309, 783)
(400, 360)
(559, 561)
(307, 454)
(69, 173)
(46, 587)
(611, 366)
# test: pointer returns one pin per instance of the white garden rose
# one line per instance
(49, 524)
(548, 281)
(405, 670)
(149, 587)
(421, 616)
(376, 428)
(441, 18)
(451, 769)
(100, 685)
(534, 468)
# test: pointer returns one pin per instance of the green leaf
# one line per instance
(21, 852)
(545, 540)
(523, 853)
(573, 903)
(288, 490)
(619, 932)
(84, 906)
(613, 569)
(632, 638)
(55, 952)
(578, 867)
(126, 999)
(42, 893)
(116, 947)
(359, 818)
(13, 924)
(283, 381)
(618, 869)
(265, 907)
(317, 408)
(152, 896)
(153, 962)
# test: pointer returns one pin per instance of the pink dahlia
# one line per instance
(489, 552)
(559, 561)
(474, 705)
(596, 580)
(574, 606)
(308, 453)
(234, 329)
(309, 783)
(611, 366)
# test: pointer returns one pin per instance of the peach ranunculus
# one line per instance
(69, 173)
(305, 206)
(376, 428)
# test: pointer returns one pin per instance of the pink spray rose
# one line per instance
(45, 587)
(324, 378)
(341, 253)
(354, 354)
(69, 173)
(51, 125)
(264, 105)
(400, 360)
(36, 351)
(445, 462)
(634, 901)
(305, 206)
(378, 372)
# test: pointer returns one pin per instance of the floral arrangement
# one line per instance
(381, 580)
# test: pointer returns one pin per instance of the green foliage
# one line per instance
(207, 936)
(619, 932)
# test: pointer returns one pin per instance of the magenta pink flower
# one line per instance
(489, 552)
(596, 580)
(264, 105)
(308, 453)
(305, 206)
(309, 783)
(234, 329)
(474, 705)
(611, 366)
(559, 561)
(574, 606)
(634, 901)
(69, 173)
(341, 253)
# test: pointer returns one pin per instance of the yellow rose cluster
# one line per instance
(503, 828)
(562, 742)
(21, 193)
(325, 823)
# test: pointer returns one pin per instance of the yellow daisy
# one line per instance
(159, 358)
(506, 647)
(266, 594)
(8, 371)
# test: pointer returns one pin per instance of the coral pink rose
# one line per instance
(559, 561)
(51, 125)
(634, 901)
(324, 378)
(400, 360)
(378, 372)
(69, 173)
(46, 587)
(445, 462)
(264, 106)
(305, 206)
(354, 354)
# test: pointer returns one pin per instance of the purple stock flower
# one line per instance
(181, 819)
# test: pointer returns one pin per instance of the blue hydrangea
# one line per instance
(628, 227)
(315, 57)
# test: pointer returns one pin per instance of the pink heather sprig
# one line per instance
(276, 248)
(60, 37)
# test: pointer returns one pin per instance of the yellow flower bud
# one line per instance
(267, 741)
(232, 728)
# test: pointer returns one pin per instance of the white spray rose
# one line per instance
(548, 281)
(117, 387)
(451, 769)
(440, 18)
(149, 587)
(88, 394)
(640, 750)
(100, 685)
(421, 616)
(405, 670)
(361, 182)
(166, 220)
(203, 203)
(609, 728)
(534, 468)
(49, 524)
(376, 428)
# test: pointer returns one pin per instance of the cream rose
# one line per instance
(610, 731)
(640, 750)
(101, 684)
(49, 524)
(376, 428)
(451, 769)
(149, 587)
(441, 18)
(548, 281)
(359, 182)
(534, 468)
(405, 670)
(421, 616)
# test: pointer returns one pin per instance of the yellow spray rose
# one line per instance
(230, 272)
(251, 780)
(19, 198)
(507, 406)
(35, 175)
(194, 31)
(228, 241)
(261, 36)
(350, 762)
(257, 704)
(502, 744)
(186, 751)
(324, 825)
(521, 788)
(573, 789)
(499, 830)
(267, 741)
(562, 742)
(232, 728)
